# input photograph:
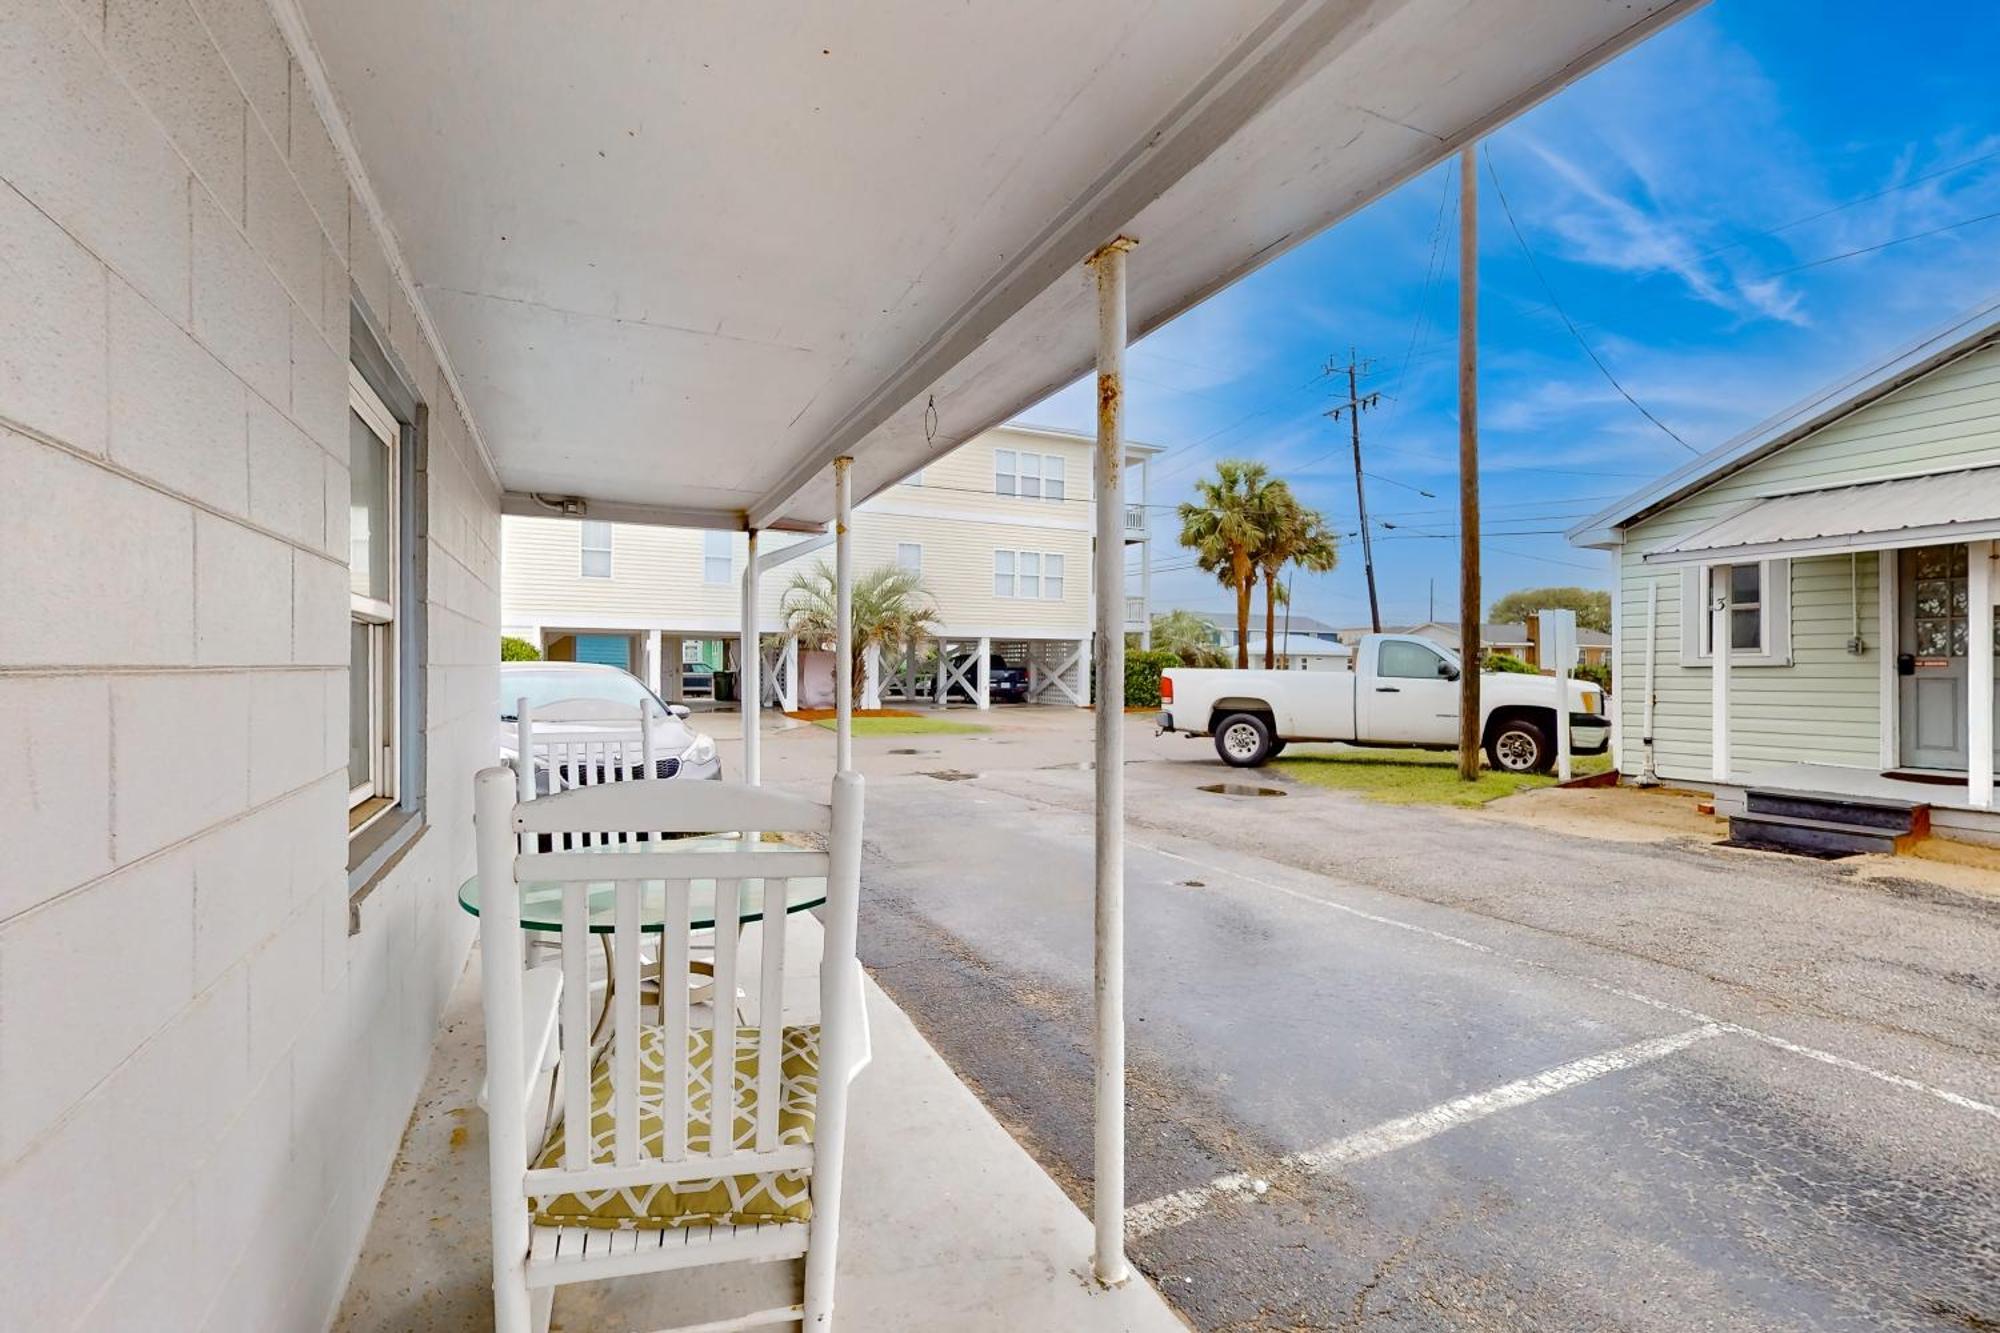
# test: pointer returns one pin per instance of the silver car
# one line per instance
(581, 694)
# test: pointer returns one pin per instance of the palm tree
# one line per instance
(1221, 526)
(1291, 534)
(891, 605)
(1187, 636)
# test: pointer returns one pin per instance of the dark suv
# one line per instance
(1004, 684)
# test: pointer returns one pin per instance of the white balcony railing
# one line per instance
(1135, 613)
(1135, 521)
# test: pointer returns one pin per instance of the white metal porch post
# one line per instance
(750, 663)
(791, 704)
(1979, 675)
(1718, 653)
(1108, 1188)
(843, 617)
(983, 676)
(1146, 554)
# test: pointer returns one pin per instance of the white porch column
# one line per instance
(940, 693)
(1146, 556)
(843, 616)
(1108, 1173)
(1082, 695)
(654, 677)
(983, 677)
(1718, 699)
(1979, 673)
(791, 700)
(871, 676)
(750, 662)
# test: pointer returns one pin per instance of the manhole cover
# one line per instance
(1240, 789)
(950, 775)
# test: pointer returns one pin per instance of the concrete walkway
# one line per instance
(948, 1223)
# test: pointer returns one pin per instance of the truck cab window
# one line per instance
(1407, 661)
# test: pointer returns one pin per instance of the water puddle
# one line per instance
(1239, 789)
(950, 775)
(907, 750)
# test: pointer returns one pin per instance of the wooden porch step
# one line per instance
(1813, 837)
(1875, 813)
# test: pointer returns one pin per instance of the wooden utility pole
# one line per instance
(1468, 465)
(1355, 405)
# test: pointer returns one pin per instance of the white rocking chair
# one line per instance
(631, 1178)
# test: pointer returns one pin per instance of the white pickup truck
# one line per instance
(1403, 691)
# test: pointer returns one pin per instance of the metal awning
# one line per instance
(1957, 506)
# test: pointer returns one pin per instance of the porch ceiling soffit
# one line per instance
(680, 267)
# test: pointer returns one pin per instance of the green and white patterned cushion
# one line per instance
(780, 1196)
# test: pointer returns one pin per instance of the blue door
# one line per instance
(605, 650)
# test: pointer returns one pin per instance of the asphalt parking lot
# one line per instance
(1410, 1069)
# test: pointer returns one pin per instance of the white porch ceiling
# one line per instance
(683, 255)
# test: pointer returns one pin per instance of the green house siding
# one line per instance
(1825, 707)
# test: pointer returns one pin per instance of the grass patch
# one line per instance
(822, 714)
(1417, 777)
(906, 725)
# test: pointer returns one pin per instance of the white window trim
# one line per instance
(1775, 578)
(583, 537)
(380, 615)
(1016, 573)
(728, 556)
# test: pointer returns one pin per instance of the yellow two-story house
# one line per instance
(999, 529)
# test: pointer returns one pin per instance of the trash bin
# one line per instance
(725, 687)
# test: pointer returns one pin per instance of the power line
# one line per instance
(1884, 245)
(1568, 323)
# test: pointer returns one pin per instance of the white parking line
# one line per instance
(1946, 1095)
(1171, 1210)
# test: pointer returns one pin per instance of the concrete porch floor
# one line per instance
(948, 1223)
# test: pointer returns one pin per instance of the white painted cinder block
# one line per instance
(317, 165)
(177, 414)
(99, 569)
(54, 381)
(155, 1289)
(367, 262)
(281, 223)
(287, 732)
(287, 478)
(242, 892)
(83, 981)
(256, 53)
(243, 595)
(55, 809)
(166, 57)
(77, 144)
(180, 757)
(319, 385)
(320, 611)
(339, 496)
(240, 311)
(286, 973)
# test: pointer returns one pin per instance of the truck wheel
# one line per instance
(1519, 747)
(1243, 740)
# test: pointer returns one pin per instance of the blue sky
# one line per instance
(1656, 195)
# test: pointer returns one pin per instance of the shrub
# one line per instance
(1142, 676)
(1506, 663)
(518, 650)
(1597, 673)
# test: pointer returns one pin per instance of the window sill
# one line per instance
(374, 852)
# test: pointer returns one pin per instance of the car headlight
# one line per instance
(701, 752)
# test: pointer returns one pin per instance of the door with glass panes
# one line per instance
(1931, 663)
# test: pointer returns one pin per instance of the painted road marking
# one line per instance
(1171, 1210)
(1946, 1095)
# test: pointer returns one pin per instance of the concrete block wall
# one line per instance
(204, 1072)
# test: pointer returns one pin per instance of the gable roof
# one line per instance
(1292, 621)
(1967, 333)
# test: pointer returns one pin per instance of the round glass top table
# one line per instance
(541, 902)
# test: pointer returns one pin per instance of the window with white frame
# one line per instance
(1760, 621)
(596, 549)
(910, 556)
(715, 558)
(1028, 575)
(373, 563)
(1032, 476)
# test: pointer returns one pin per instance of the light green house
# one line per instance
(1845, 550)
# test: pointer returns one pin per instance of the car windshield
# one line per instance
(541, 688)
